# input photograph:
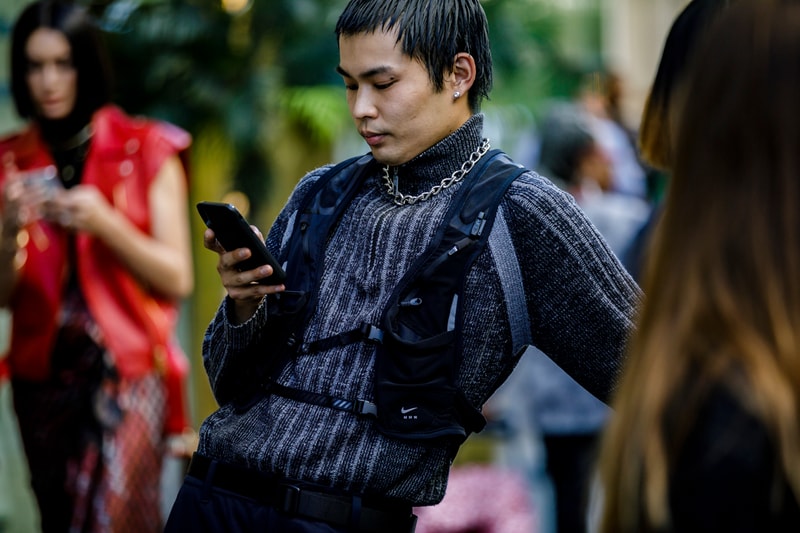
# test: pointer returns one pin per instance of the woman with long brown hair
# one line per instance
(706, 431)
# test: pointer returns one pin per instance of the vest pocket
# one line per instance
(415, 393)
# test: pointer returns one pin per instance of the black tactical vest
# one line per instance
(418, 339)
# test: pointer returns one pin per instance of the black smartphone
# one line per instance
(233, 231)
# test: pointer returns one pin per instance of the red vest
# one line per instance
(137, 324)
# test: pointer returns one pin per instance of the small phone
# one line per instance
(233, 231)
(43, 180)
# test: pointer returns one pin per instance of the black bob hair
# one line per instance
(89, 56)
(432, 31)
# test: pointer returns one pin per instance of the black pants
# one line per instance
(569, 463)
(202, 509)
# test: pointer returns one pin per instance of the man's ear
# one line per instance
(463, 75)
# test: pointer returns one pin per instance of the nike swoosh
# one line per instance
(404, 411)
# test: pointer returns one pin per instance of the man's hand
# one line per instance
(242, 287)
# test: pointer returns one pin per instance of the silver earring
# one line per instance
(456, 95)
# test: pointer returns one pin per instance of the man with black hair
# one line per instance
(416, 275)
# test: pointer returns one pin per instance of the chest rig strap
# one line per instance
(366, 333)
(356, 407)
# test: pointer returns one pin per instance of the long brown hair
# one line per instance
(722, 285)
(655, 131)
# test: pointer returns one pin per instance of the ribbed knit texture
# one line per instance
(579, 298)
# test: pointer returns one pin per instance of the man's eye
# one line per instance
(351, 86)
(382, 86)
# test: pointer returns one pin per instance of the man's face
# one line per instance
(51, 77)
(392, 100)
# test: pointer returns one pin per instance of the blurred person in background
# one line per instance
(567, 416)
(571, 155)
(594, 97)
(614, 91)
(706, 431)
(94, 260)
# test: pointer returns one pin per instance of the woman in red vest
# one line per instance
(94, 259)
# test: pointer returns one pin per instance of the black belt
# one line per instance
(298, 499)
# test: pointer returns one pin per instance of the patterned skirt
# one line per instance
(94, 440)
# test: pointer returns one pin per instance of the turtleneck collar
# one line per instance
(441, 159)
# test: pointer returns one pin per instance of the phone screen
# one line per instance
(41, 180)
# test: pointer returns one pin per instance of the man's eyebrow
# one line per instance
(366, 74)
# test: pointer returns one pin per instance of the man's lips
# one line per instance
(372, 138)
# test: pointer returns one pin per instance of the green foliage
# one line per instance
(320, 109)
(540, 49)
(194, 64)
(200, 67)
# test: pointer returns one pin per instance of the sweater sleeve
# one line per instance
(231, 354)
(581, 301)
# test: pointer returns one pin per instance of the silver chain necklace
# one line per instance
(406, 199)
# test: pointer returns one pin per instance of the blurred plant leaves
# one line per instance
(246, 73)
(198, 66)
(321, 109)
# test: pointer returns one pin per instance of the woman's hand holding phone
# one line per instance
(28, 193)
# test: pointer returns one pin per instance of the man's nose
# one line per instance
(363, 104)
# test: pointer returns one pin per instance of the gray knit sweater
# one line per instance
(580, 303)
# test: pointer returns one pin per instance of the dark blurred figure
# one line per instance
(568, 417)
(571, 155)
(656, 136)
(616, 139)
(655, 179)
(706, 432)
(94, 260)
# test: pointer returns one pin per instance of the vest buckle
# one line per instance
(371, 333)
(366, 408)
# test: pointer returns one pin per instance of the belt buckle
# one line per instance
(289, 498)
